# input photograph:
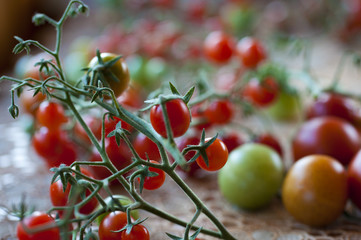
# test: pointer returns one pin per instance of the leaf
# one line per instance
(187, 97)
(173, 89)
(173, 236)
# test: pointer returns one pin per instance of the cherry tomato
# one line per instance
(111, 122)
(232, 141)
(217, 154)
(54, 147)
(178, 114)
(291, 102)
(331, 136)
(30, 103)
(261, 93)
(59, 197)
(269, 140)
(184, 142)
(35, 220)
(113, 222)
(251, 52)
(252, 176)
(314, 191)
(146, 147)
(198, 114)
(95, 125)
(155, 182)
(218, 47)
(138, 232)
(51, 115)
(219, 111)
(132, 97)
(354, 179)
(119, 70)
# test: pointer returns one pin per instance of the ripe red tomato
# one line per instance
(218, 47)
(59, 197)
(111, 223)
(184, 142)
(217, 154)
(251, 52)
(35, 220)
(314, 191)
(111, 123)
(261, 93)
(51, 115)
(155, 182)
(331, 136)
(179, 118)
(269, 140)
(30, 103)
(232, 140)
(119, 70)
(198, 114)
(138, 232)
(146, 147)
(54, 147)
(354, 179)
(219, 111)
(95, 125)
(133, 97)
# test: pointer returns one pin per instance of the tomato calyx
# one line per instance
(150, 176)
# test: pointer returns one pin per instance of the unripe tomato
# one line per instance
(286, 107)
(314, 191)
(252, 176)
(119, 70)
(331, 136)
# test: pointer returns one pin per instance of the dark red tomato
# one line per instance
(269, 140)
(51, 115)
(178, 114)
(198, 114)
(330, 136)
(354, 180)
(219, 111)
(155, 182)
(138, 232)
(218, 47)
(95, 125)
(111, 223)
(232, 140)
(184, 142)
(30, 103)
(217, 154)
(146, 147)
(332, 104)
(261, 93)
(196, 9)
(111, 123)
(59, 197)
(251, 52)
(35, 220)
(54, 146)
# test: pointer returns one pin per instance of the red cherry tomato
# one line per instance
(95, 126)
(51, 115)
(331, 136)
(138, 232)
(35, 220)
(155, 182)
(198, 114)
(261, 93)
(54, 147)
(179, 118)
(184, 142)
(269, 140)
(232, 141)
(251, 52)
(218, 47)
(354, 180)
(111, 123)
(217, 154)
(219, 111)
(59, 197)
(146, 147)
(111, 223)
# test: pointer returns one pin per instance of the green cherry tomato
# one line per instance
(286, 107)
(252, 176)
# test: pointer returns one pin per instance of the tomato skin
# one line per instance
(288, 101)
(314, 191)
(199, 114)
(251, 52)
(218, 47)
(119, 69)
(269, 140)
(184, 142)
(138, 232)
(114, 221)
(354, 179)
(331, 136)
(261, 93)
(59, 197)
(179, 118)
(152, 183)
(51, 115)
(111, 123)
(252, 176)
(219, 112)
(217, 154)
(232, 141)
(146, 147)
(37, 219)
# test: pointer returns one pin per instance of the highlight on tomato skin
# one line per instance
(218, 47)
